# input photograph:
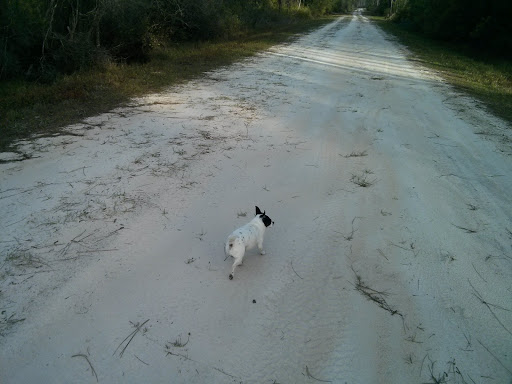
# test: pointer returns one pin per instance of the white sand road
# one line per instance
(389, 262)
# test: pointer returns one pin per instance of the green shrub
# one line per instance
(303, 13)
(483, 24)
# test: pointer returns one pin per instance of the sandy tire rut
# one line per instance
(389, 261)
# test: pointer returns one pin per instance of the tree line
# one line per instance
(483, 24)
(40, 39)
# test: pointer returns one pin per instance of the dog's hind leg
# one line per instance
(238, 261)
(260, 247)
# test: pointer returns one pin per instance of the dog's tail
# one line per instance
(229, 244)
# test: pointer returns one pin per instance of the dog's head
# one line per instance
(266, 220)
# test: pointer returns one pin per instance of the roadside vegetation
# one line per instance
(64, 60)
(28, 107)
(467, 42)
(483, 25)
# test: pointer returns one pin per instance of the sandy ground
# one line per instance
(389, 262)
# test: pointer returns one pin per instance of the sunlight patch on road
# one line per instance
(361, 63)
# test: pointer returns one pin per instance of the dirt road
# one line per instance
(389, 262)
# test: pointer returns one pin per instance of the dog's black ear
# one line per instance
(258, 212)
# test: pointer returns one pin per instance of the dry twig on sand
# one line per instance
(291, 263)
(489, 305)
(375, 296)
(169, 352)
(314, 378)
(6, 322)
(412, 248)
(467, 230)
(492, 354)
(138, 358)
(130, 337)
(382, 253)
(90, 365)
(478, 273)
(350, 236)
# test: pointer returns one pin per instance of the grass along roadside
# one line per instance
(489, 80)
(28, 108)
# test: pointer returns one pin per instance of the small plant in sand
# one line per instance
(356, 154)
(201, 235)
(7, 321)
(25, 259)
(409, 359)
(178, 343)
(363, 179)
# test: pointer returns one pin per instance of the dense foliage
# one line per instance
(483, 24)
(41, 38)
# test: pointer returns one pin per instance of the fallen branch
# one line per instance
(374, 295)
(492, 354)
(179, 355)
(130, 336)
(97, 250)
(6, 322)
(382, 253)
(138, 358)
(467, 230)
(478, 272)
(488, 305)
(199, 362)
(291, 263)
(351, 235)
(411, 249)
(225, 373)
(90, 365)
(314, 378)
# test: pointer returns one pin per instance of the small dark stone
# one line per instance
(230, 277)
(254, 301)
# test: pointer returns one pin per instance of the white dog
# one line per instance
(247, 237)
